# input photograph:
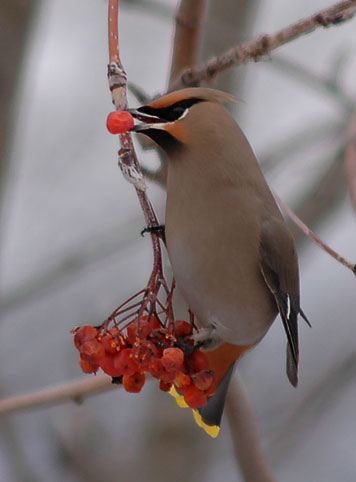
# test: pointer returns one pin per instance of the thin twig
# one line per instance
(350, 161)
(70, 391)
(261, 46)
(315, 238)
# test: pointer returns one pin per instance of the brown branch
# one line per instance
(127, 157)
(315, 238)
(350, 161)
(246, 440)
(117, 83)
(189, 19)
(74, 391)
(261, 46)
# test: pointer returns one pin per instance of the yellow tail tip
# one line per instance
(178, 397)
(212, 430)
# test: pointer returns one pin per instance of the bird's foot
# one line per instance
(159, 230)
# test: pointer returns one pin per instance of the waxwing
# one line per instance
(231, 252)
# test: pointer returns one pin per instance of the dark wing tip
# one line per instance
(304, 316)
(292, 367)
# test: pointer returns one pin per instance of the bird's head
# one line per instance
(172, 120)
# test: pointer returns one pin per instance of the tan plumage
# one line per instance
(230, 249)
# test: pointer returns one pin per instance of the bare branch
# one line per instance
(261, 46)
(315, 238)
(189, 19)
(117, 83)
(246, 439)
(127, 156)
(74, 391)
(350, 161)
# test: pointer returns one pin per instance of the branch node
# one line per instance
(129, 171)
(116, 75)
(212, 68)
(78, 399)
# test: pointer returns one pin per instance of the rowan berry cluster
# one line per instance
(146, 346)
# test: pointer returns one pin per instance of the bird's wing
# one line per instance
(279, 267)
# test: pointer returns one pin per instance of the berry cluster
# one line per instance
(145, 346)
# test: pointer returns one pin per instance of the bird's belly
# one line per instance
(223, 287)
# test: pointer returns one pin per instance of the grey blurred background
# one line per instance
(70, 249)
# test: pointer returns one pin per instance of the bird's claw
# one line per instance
(159, 230)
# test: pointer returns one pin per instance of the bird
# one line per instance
(231, 251)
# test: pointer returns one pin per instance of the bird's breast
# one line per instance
(213, 246)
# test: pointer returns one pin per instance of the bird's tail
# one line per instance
(222, 362)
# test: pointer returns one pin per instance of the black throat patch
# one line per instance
(165, 140)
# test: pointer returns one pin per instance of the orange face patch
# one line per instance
(177, 130)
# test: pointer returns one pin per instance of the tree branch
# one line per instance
(117, 83)
(348, 264)
(187, 37)
(259, 47)
(350, 161)
(74, 391)
(127, 156)
(246, 440)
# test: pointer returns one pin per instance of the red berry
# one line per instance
(203, 379)
(143, 352)
(119, 121)
(182, 328)
(139, 330)
(173, 358)
(110, 344)
(88, 367)
(134, 383)
(182, 380)
(194, 397)
(92, 351)
(155, 368)
(107, 364)
(125, 363)
(84, 333)
(164, 386)
(198, 361)
(168, 376)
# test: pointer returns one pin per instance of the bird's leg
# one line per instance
(159, 230)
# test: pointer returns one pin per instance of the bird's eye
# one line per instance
(178, 111)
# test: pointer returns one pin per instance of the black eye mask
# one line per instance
(171, 113)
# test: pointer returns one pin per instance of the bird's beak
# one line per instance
(149, 121)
